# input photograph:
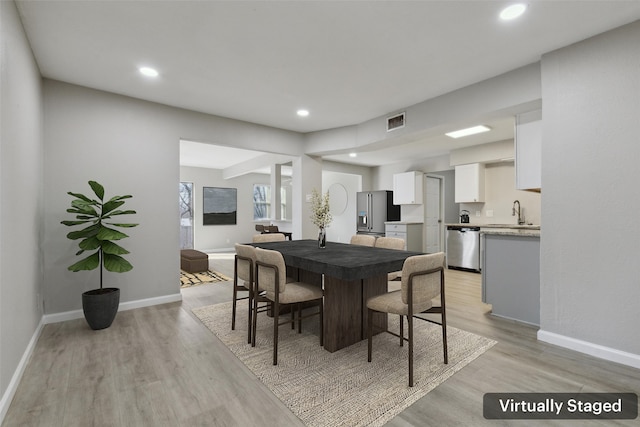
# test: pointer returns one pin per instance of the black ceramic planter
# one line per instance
(100, 307)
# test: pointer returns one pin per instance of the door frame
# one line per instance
(441, 225)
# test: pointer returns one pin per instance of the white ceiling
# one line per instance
(345, 61)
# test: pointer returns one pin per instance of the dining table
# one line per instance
(350, 275)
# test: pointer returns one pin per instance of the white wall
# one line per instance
(343, 225)
(589, 247)
(216, 237)
(21, 209)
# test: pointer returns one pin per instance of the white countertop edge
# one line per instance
(510, 232)
(403, 222)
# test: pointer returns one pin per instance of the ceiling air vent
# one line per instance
(395, 122)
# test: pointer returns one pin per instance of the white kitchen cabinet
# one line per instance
(528, 147)
(470, 183)
(407, 188)
(411, 233)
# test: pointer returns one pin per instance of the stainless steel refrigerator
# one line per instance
(373, 209)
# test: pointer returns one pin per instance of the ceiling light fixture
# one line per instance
(148, 71)
(353, 155)
(303, 113)
(513, 11)
(468, 131)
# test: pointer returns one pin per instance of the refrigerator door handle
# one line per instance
(370, 207)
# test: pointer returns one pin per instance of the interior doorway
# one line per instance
(433, 213)
(186, 215)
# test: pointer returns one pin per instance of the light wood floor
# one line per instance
(159, 366)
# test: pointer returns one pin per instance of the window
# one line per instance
(186, 215)
(261, 202)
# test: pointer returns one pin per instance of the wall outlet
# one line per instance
(490, 213)
(477, 213)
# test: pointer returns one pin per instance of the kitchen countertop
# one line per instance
(505, 229)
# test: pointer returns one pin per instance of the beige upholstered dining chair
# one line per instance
(422, 281)
(391, 243)
(243, 269)
(363, 240)
(271, 279)
(268, 237)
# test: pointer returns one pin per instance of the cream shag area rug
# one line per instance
(193, 279)
(342, 388)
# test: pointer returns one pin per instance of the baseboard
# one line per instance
(17, 375)
(129, 305)
(591, 349)
(218, 250)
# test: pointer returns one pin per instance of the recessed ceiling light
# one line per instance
(513, 11)
(468, 131)
(303, 113)
(353, 154)
(148, 71)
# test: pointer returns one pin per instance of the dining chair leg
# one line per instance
(410, 321)
(401, 331)
(293, 317)
(369, 332)
(235, 300)
(254, 319)
(321, 314)
(444, 338)
(276, 315)
(250, 305)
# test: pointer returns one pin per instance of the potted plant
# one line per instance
(98, 237)
(321, 215)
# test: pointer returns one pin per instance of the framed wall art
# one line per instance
(219, 206)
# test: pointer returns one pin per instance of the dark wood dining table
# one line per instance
(350, 274)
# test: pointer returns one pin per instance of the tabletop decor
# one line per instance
(321, 216)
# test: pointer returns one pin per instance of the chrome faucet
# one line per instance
(513, 212)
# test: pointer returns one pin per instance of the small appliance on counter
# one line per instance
(464, 216)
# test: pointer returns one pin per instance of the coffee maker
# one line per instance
(464, 216)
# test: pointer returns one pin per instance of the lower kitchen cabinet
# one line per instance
(410, 232)
(511, 276)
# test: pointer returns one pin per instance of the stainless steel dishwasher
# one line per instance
(463, 247)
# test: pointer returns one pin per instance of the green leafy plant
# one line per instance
(99, 236)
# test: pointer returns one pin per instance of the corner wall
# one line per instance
(21, 208)
(131, 147)
(589, 246)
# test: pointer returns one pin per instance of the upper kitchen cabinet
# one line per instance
(407, 188)
(528, 147)
(470, 183)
